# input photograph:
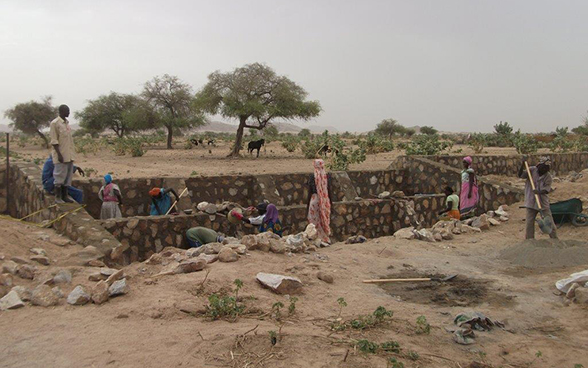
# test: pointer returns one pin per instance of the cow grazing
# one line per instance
(196, 141)
(255, 145)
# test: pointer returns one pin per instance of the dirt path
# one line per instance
(146, 328)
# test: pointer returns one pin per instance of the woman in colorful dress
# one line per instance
(319, 201)
(271, 221)
(111, 198)
(468, 197)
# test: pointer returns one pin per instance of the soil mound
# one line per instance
(547, 253)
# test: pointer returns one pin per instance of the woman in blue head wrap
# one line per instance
(111, 199)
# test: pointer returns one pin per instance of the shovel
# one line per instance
(443, 279)
(544, 223)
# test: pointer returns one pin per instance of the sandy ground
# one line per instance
(208, 160)
(148, 328)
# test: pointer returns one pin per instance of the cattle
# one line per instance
(211, 141)
(196, 142)
(255, 145)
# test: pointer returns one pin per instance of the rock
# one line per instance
(263, 243)
(572, 290)
(6, 279)
(100, 292)
(78, 296)
(190, 265)
(228, 255)
(407, 233)
(239, 248)
(250, 241)
(62, 277)
(23, 293)
(156, 258)
(490, 214)
(106, 271)
(501, 211)
(212, 248)
(38, 251)
(437, 236)
(97, 276)
(96, 263)
(19, 260)
(57, 291)
(208, 258)
(116, 253)
(26, 271)
(581, 296)
(211, 209)
(9, 267)
(426, 235)
(481, 222)
(310, 232)
(295, 240)
(119, 287)
(230, 240)
(469, 221)
(358, 199)
(41, 259)
(171, 251)
(325, 277)
(494, 222)
(356, 239)
(446, 234)
(119, 274)
(11, 301)
(201, 206)
(503, 218)
(384, 195)
(278, 247)
(43, 296)
(465, 229)
(280, 284)
(398, 194)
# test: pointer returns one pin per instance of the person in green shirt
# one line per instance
(452, 203)
(198, 236)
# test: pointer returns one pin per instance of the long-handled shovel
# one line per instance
(443, 279)
(544, 223)
(176, 202)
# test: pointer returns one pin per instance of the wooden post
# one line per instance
(8, 173)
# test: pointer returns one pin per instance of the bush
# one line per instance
(426, 145)
(290, 143)
(477, 142)
(375, 144)
(135, 147)
(524, 143)
(428, 130)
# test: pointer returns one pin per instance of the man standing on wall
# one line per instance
(63, 154)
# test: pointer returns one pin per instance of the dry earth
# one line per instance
(149, 327)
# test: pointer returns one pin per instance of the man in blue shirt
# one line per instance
(49, 181)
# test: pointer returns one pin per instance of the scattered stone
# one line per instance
(23, 293)
(43, 296)
(211, 209)
(481, 222)
(494, 222)
(38, 251)
(171, 251)
(6, 279)
(581, 296)
(426, 235)
(192, 252)
(11, 301)
(358, 199)
(107, 271)
(190, 265)
(280, 284)
(278, 247)
(19, 260)
(501, 211)
(119, 274)
(437, 236)
(384, 195)
(62, 277)
(356, 239)
(311, 232)
(26, 271)
(4, 290)
(490, 214)
(295, 240)
(503, 218)
(250, 241)
(239, 248)
(201, 206)
(57, 291)
(208, 258)
(119, 287)
(325, 277)
(41, 259)
(100, 292)
(78, 296)
(407, 233)
(96, 263)
(263, 243)
(446, 234)
(469, 229)
(96, 277)
(228, 255)
(398, 194)
(212, 248)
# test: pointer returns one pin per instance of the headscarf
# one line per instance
(468, 159)
(271, 215)
(545, 160)
(322, 190)
(155, 192)
(261, 208)
(108, 179)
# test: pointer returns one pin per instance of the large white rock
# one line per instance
(280, 284)
(295, 240)
(118, 288)
(11, 301)
(405, 233)
(426, 235)
(501, 211)
(78, 296)
(228, 255)
(311, 232)
(201, 206)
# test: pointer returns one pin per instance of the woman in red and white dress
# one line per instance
(319, 201)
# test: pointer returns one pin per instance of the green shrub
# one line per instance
(477, 142)
(290, 143)
(524, 143)
(426, 145)
(366, 346)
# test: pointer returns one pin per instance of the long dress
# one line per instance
(467, 205)
(110, 208)
(319, 209)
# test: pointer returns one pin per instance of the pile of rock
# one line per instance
(578, 293)
(213, 209)
(445, 230)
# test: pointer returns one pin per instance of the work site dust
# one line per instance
(395, 280)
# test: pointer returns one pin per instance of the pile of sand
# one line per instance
(547, 253)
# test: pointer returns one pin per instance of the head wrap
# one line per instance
(545, 160)
(108, 178)
(271, 214)
(155, 192)
(262, 207)
(468, 159)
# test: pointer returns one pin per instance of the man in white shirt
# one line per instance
(261, 210)
(63, 154)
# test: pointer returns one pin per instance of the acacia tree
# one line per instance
(114, 111)
(428, 130)
(255, 95)
(389, 127)
(172, 106)
(31, 117)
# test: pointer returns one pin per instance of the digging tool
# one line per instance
(176, 202)
(439, 279)
(544, 223)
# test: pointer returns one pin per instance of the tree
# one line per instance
(582, 129)
(271, 132)
(113, 111)
(172, 105)
(504, 129)
(255, 95)
(428, 130)
(304, 133)
(387, 128)
(31, 117)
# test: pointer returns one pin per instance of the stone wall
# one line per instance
(371, 183)
(508, 165)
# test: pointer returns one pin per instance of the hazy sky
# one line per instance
(457, 65)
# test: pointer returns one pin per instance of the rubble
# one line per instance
(78, 296)
(11, 301)
(228, 255)
(44, 296)
(280, 284)
(119, 287)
